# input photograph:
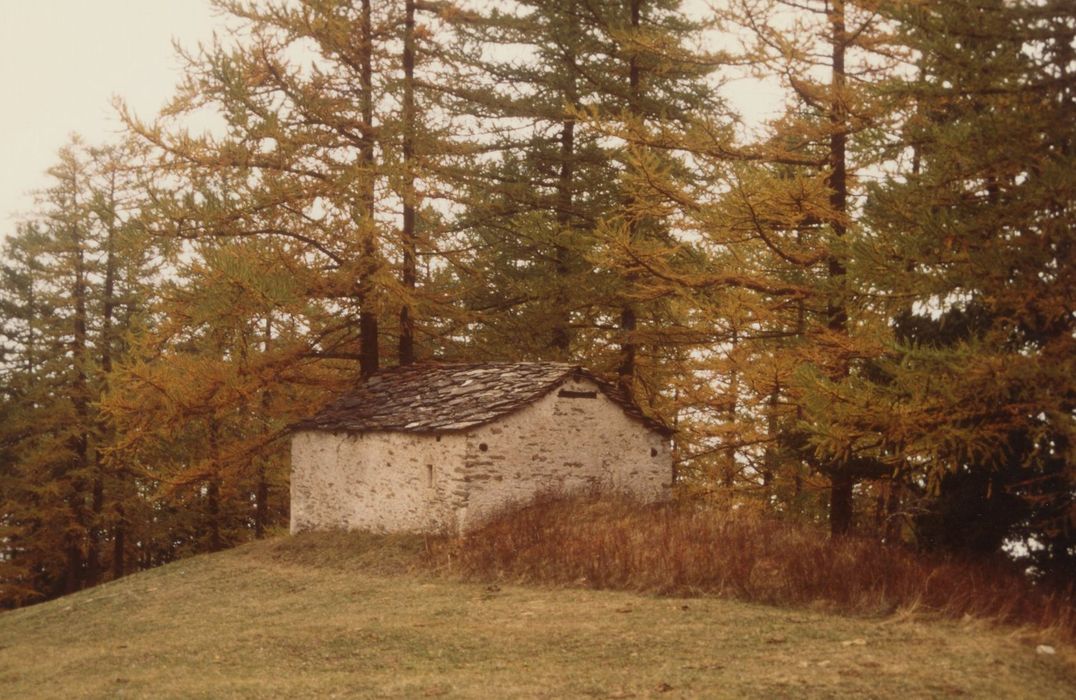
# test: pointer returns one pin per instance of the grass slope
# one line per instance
(346, 616)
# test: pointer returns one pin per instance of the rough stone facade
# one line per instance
(574, 437)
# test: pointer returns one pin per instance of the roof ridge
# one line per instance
(458, 396)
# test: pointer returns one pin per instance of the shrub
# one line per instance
(690, 548)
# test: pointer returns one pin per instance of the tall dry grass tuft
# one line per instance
(683, 548)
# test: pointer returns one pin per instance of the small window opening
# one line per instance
(653, 452)
(569, 394)
(429, 475)
(483, 446)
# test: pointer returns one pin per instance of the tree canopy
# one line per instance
(859, 311)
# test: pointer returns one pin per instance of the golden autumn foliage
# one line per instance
(857, 312)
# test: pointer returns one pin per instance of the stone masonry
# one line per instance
(568, 433)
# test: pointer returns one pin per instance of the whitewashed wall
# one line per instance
(560, 444)
(373, 481)
(421, 482)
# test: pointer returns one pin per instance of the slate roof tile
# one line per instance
(434, 397)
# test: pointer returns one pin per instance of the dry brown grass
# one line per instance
(356, 615)
(687, 549)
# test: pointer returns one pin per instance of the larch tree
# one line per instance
(655, 79)
(975, 245)
(785, 222)
(557, 186)
(313, 150)
(75, 282)
(203, 403)
(541, 180)
(28, 509)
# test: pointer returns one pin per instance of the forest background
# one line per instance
(859, 313)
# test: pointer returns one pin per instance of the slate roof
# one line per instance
(432, 398)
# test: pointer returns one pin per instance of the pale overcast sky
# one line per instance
(61, 61)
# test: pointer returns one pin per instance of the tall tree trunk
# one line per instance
(728, 478)
(842, 483)
(119, 542)
(560, 338)
(892, 509)
(369, 359)
(769, 459)
(93, 566)
(216, 542)
(628, 349)
(840, 505)
(77, 566)
(261, 491)
(93, 546)
(628, 315)
(408, 274)
(261, 502)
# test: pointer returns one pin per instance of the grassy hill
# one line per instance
(352, 616)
